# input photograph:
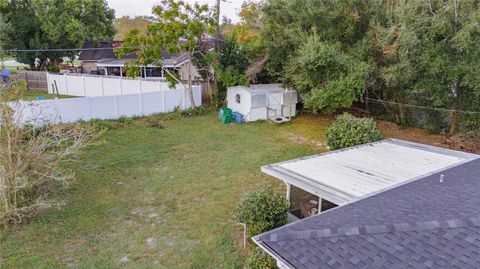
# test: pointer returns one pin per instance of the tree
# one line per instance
(408, 52)
(327, 77)
(177, 27)
(55, 24)
(248, 35)
(287, 21)
(125, 25)
(4, 28)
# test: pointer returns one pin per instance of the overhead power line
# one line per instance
(423, 107)
(73, 49)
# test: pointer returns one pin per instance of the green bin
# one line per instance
(226, 115)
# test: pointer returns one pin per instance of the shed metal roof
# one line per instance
(261, 88)
(346, 175)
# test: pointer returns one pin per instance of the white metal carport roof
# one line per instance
(349, 174)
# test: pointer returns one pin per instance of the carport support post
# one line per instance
(319, 204)
(288, 190)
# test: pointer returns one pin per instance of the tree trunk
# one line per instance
(401, 111)
(190, 88)
(453, 124)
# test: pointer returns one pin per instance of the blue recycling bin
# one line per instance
(238, 117)
(5, 73)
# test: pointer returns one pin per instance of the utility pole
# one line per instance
(217, 34)
(217, 49)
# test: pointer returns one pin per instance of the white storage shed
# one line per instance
(263, 102)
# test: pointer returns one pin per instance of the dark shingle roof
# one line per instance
(423, 224)
(107, 51)
(96, 55)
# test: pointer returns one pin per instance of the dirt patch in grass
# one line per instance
(303, 140)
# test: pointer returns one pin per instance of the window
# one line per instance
(259, 100)
(237, 98)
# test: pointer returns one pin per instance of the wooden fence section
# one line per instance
(35, 79)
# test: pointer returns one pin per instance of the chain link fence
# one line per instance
(435, 120)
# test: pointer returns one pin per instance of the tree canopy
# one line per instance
(125, 25)
(410, 52)
(49, 24)
(177, 27)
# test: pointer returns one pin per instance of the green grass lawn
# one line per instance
(30, 95)
(178, 185)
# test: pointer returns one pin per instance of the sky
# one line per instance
(132, 8)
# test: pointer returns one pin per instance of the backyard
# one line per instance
(149, 197)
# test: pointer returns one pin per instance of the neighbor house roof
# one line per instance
(430, 222)
(346, 175)
(106, 55)
(169, 60)
(105, 51)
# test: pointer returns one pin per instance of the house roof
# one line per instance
(106, 52)
(431, 222)
(169, 60)
(346, 175)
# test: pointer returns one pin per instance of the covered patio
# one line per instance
(115, 67)
(320, 182)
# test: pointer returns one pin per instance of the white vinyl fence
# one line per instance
(104, 107)
(94, 85)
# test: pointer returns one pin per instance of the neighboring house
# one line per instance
(103, 61)
(390, 204)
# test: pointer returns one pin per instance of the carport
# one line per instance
(320, 182)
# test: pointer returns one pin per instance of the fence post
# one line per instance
(26, 79)
(103, 87)
(141, 103)
(185, 98)
(84, 87)
(121, 86)
(116, 107)
(48, 83)
(89, 105)
(57, 109)
(66, 82)
(140, 85)
(164, 96)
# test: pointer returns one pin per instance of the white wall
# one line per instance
(104, 107)
(91, 85)
(244, 106)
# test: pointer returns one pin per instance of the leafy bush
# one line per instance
(348, 130)
(260, 260)
(32, 158)
(262, 210)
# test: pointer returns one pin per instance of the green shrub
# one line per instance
(260, 260)
(348, 130)
(262, 210)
